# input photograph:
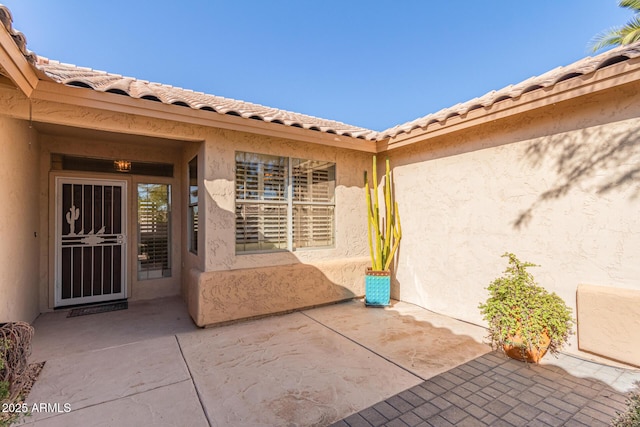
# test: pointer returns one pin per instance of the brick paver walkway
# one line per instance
(493, 390)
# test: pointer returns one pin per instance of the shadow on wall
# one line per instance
(592, 161)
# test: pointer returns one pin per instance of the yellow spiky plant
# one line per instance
(384, 232)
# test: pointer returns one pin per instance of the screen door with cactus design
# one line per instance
(91, 241)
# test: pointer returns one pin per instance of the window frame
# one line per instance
(168, 271)
(288, 201)
(193, 211)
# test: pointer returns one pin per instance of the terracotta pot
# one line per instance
(513, 348)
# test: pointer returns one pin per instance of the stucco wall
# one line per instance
(219, 199)
(608, 322)
(235, 285)
(18, 221)
(192, 264)
(216, 168)
(559, 186)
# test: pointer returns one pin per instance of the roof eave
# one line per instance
(13, 61)
(50, 91)
(602, 79)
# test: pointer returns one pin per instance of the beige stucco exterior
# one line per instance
(557, 187)
(223, 296)
(215, 295)
(219, 188)
(550, 174)
(113, 136)
(608, 322)
(19, 216)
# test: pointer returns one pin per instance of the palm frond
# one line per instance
(630, 4)
(610, 37)
(630, 33)
(618, 36)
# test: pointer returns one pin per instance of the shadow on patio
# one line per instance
(149, 365)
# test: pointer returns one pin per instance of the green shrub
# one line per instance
(517, 305)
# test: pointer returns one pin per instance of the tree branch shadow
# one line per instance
(592, 160)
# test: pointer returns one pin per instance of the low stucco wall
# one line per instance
(608, 322)
(222, 296)
(19, 215)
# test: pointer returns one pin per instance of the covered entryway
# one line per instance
(90, 240)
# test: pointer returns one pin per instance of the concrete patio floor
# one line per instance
(149, 365)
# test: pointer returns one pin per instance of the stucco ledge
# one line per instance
(216, 297)
(609, 322)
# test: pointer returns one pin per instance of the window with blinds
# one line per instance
(313, 205)
(192, 210)
(283, 203)
(154, 231)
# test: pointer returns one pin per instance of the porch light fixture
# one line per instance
(122, 165)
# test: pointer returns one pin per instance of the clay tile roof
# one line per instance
(72, 75)
(19, 38)
(101, 81)
(551, 78)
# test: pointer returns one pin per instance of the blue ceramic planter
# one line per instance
(377, 288)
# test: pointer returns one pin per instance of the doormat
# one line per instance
(94, 309)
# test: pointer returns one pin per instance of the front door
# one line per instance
(91, 236)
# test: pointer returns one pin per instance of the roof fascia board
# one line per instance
(56, 92)
(606, 78)
(16, 65)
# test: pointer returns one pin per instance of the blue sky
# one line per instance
(374, 64)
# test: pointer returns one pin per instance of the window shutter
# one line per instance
(313, 226)
(247, 181)
(154, 259)
(313, 210)
(261, 226)
(262, 202)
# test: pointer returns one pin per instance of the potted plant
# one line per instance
(384, 237)
(524, 319)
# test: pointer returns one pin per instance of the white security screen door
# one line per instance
(91, 240)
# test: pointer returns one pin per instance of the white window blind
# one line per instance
(192, 214)
(283, 203)
(313, 203)
(154, 231)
